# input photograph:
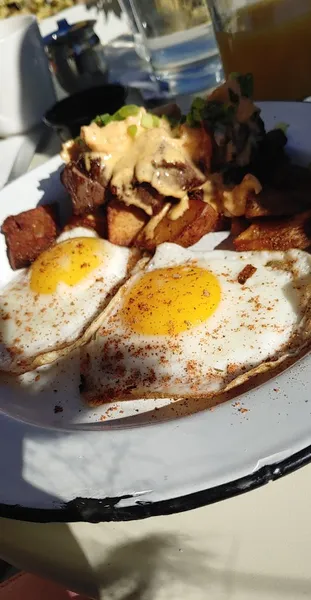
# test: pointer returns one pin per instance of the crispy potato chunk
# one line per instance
(276, 234)
(29, 233)
(124, 222)
(199, 219)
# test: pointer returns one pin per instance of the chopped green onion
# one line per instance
(283, 126)
(147, 121)
(102, 120)
(117, 117)
(132, 130)
(156, 121)
(129, 110)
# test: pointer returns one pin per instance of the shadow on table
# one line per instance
(167, 565)
(31, 546)
(138, 570)
(170, 563)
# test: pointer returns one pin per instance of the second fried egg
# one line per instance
(192, 322)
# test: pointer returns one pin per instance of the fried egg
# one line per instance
(50, 306)
(191, 323)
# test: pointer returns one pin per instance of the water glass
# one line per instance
(179, 43)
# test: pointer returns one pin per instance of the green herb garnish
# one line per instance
(283, 126)
(210, 112)
(197, 111)
(78, 140)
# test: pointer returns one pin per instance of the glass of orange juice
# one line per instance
(270, 39)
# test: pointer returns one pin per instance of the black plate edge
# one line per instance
(91, 510)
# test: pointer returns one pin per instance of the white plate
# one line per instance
(16, 154)
(130, 460)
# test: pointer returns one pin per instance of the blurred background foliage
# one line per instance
(40, 8)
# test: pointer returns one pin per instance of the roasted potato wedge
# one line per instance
(124, 222)
(276, 234)
(199, 219)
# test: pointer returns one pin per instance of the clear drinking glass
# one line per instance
(269, 38)
(137, 36)
(179, 42)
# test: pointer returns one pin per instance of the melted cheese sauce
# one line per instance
(229, 202)
(149, 229)
(142, 158)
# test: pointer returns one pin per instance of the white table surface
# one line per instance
(255, 546)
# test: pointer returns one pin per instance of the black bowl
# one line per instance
(67, 116)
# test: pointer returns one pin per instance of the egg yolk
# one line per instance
(171, 300)
(68, 262)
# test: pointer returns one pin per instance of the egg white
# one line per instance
(42, 325)
(256, 323)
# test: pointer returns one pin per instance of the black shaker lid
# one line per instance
(66, 32)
